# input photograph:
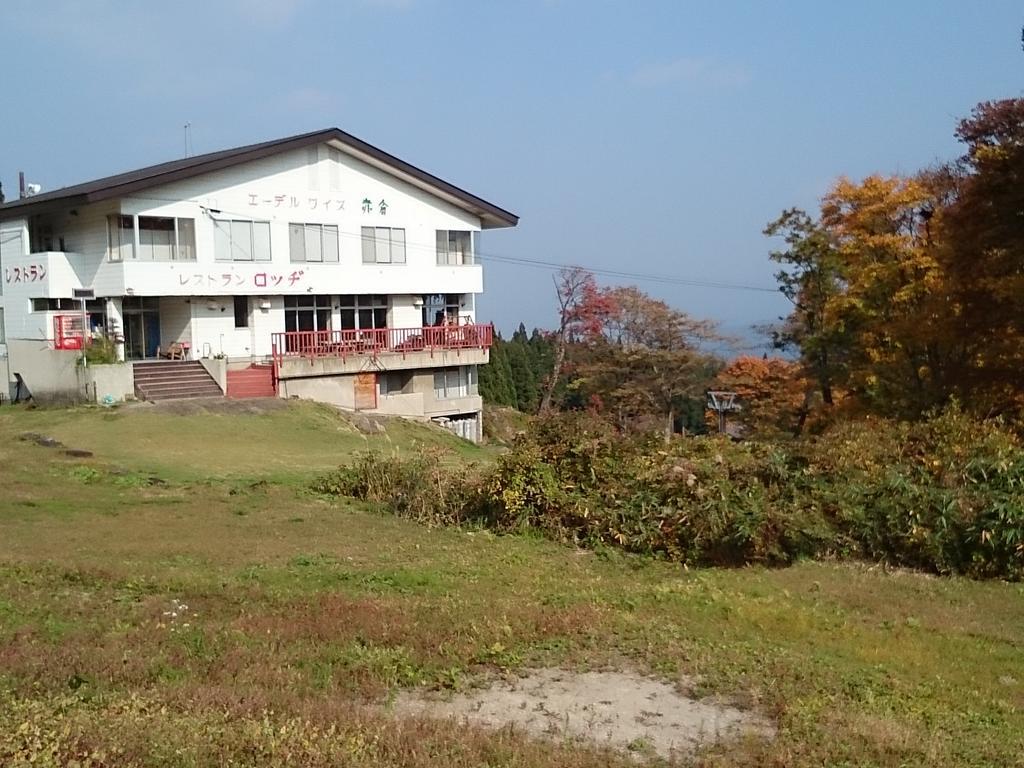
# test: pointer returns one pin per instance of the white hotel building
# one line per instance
(315, 266)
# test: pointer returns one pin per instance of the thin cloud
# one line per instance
(692, 71)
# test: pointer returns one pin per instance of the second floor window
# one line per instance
(160, 238)
(121, 237)
(383, 245)
(454, 247)
(313, 242)
(240, 240)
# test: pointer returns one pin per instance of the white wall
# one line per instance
(175, 321)
(319, 185)
(294, 187)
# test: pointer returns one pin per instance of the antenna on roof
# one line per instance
(188, 139)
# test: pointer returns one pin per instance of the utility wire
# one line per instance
(722, 285)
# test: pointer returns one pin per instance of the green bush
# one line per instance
(945, 495)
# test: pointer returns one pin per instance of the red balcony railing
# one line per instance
(377, 341)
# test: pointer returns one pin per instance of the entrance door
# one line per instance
(141, 318)
(151, 322)
(134, 337)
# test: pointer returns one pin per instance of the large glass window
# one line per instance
(241, 240)
(441, 308)
(186, 239)
(364, 312)
(56, 305)
(313, 242)
(455, 382)
(383, 245)
(307, 313)
(454, 247)
(156, 238)
(160, 238)
(121, 237)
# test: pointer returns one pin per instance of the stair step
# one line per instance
(158, 391)
(168, 365)
(174, 380)
(172, 376)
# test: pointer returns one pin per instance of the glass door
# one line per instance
(141, 327)
(134, 337)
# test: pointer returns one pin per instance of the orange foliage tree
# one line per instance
(773, 393)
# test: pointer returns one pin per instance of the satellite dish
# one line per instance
(33, 189)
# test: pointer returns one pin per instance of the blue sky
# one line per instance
(646, 137)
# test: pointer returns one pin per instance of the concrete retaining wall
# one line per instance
(97, 382)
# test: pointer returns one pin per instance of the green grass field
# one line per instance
(181, 599)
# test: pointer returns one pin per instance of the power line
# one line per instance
(723, 285)
(664, 279)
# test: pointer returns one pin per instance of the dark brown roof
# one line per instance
(133, 181)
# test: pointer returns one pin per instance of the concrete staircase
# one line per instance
(254, 381)
(173, 380)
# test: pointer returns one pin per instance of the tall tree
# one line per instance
(771, 392)
(644, 358)
(985, 258)
(581, 309)
(496, 377)
(892, 283)
(524, 379)
(811, 278)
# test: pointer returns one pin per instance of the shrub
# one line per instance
(424, 488)
(945, 495)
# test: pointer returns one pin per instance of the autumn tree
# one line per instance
(644, 358)
(984, 260)
(581, 309)
(869, 292)
(811, 278)
(772, 393)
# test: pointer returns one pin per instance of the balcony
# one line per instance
(324, 353)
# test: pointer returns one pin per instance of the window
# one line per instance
(364, 312)
(437, 307)
(121, 237)
(156, 238)
(307, 313)
(161, 238)
(313, 242)
(454, 247)
(239, 240)
(97, 314)
(186, 240)
(392, 383)
(56, 305)
(383, 245)
(455, 382)
(140, 304)
(3, 333)
(241, 311)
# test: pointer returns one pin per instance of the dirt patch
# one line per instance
(623, 711)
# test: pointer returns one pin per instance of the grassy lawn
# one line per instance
(180, 598)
